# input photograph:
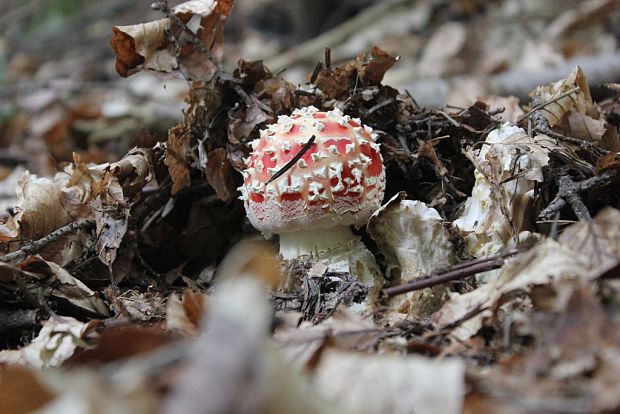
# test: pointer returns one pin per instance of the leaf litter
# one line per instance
(145, 301)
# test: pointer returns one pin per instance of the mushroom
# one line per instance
(310, 176)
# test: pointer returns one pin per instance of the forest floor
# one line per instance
(132, 280)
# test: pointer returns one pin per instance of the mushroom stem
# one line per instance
(335, 247)
(313, 242)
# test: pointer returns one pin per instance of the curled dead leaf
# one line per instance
(134, 170)
(56, 342)
(189, 43)
(372, 68)
(177, 153)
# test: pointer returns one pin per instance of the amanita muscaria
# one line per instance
(338, 181)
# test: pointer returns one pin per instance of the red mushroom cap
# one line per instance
(339, 179)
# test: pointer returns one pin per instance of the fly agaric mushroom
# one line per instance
(310, 176)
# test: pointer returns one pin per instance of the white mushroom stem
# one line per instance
(314, 242)
(335, 247)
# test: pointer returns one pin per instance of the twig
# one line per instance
(455, 273)
(42, 242)
(588, 146)
(568, 193)
(293, 160)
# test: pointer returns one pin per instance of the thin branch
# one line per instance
(568, 193)
(457, 272)
(593, 148)
(293, 160)
(37, 245)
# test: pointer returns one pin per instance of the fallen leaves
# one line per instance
(189, 42)
(584, 252)
(56, 342)
(569, 109)
(184, 330)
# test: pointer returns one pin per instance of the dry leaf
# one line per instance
(134, 170)
(149, 47)
(176, 157)
(584, 252)
(371, 69)
(17, 382)
(40, 209)
(184, 315)
(65, 286)
(220, 174)
(562, 96)
(414, 242)
(568, 107)
(111, 222)
(244, 122)
(336, 82)
(56, 342)
(362, 383)
(120, 343)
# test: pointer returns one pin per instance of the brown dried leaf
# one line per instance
(16, 383)
(184, 315)
(280, 92)
(336, 82)
(578, 125)
(177, 153)
(148, 46)
(121, 342)
(610, 161)
(220, 174)
(371, 69)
